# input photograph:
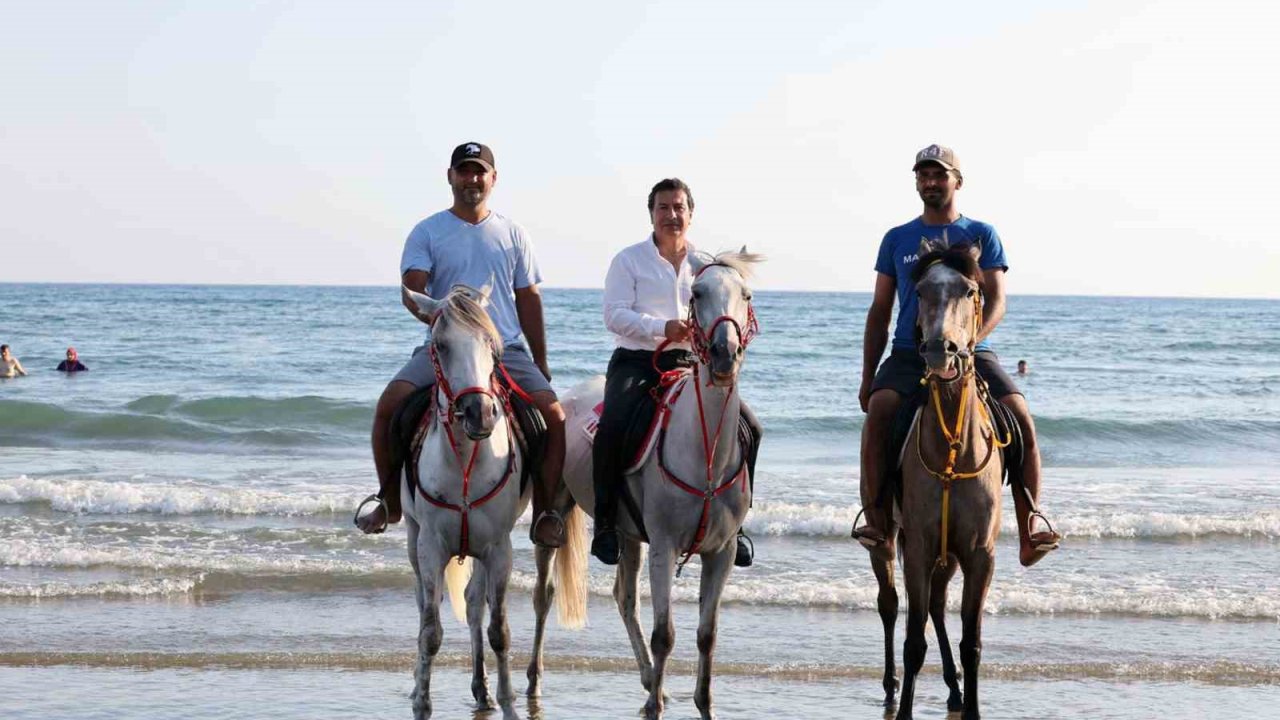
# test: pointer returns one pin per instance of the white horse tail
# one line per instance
(455, 580)
(571, 572)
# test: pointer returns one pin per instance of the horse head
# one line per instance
(721, 318)
(949, 292)
(465, 347)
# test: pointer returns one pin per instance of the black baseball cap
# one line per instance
(472, 152)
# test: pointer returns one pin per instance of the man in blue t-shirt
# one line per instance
(471, 245)
(938, 178)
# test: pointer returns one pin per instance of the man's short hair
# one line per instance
(670, 184)
(4, 347)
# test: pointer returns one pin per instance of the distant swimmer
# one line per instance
(9, 365)
(1022, 368)
(72, 363)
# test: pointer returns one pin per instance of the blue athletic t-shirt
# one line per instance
(494, 251)
(898, 257)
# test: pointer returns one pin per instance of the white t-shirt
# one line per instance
(495, 251)
(642, 292)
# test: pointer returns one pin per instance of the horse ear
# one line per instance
(925, 248)
(428, 306)
(485, 291)
(975, 252)
(696, 262)
(743, 251)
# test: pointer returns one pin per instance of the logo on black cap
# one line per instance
(472, 152)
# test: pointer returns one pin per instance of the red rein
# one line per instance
(444, 416)
(701, 344)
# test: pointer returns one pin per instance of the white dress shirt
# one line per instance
(642, 292)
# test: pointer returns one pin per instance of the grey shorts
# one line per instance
(902, 370)
(419, 373)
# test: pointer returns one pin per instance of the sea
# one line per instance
(176, 535)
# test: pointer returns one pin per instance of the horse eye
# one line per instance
(972, 292)
(697, 294)
(747, 296)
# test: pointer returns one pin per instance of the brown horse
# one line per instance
(950, 495)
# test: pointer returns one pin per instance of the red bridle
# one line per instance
(444, 415)
(701, 345)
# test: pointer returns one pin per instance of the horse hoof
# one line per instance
(652, 710)
(534, 690)
(955, 703)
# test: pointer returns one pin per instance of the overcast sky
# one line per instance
(1120, 148)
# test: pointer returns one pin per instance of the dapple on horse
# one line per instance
(462, 490)
(691, 490)
(951, 475)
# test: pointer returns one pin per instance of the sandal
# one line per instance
(385, 511)
(1041, 543)
(553, 516)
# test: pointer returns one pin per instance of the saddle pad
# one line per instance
(642, 433)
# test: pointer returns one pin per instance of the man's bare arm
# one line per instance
(876, 335)
(993, 304)
(529, 310)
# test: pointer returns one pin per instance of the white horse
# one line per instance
(464, 498)
(692, 489)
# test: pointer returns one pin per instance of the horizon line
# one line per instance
(581, 287)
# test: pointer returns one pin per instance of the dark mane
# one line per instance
(956, 257)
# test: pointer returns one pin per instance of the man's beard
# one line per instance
(936, 201)
(470, 196)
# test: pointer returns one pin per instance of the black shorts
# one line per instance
(902, 370)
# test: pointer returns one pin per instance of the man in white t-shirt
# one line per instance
(471, 245)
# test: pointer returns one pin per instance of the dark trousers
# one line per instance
(629, 379)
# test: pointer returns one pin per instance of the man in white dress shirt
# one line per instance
(646, 301)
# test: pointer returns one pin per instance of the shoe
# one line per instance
(746, 551)
(605, 546)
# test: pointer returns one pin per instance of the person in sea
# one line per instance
(9, 365)
(472, 245)
(646, 302)
(938, 179)
(72, 363)
(1022, 368)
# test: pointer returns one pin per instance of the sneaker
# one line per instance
(605, 547)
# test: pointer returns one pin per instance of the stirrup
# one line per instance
(385, 513)
(533, 528)
(1057, 538)
(867, 534)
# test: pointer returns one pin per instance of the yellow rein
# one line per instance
(956, 440)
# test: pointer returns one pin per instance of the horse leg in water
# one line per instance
(978, 571)
(916, 573)
(662, 560)
(429, 564)
(715, 571)
(475, 623)
(498, 567)
(544, 591)
(626, 593)
(887, 604)
(938, 612)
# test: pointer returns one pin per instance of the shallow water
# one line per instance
(175, 533)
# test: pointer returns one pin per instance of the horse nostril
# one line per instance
(952, 348)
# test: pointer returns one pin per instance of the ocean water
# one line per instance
(175, 532)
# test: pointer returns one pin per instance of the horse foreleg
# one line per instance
(626, 593)
(662, 562)
(979, 568)
(544, 590)
(430, 566)
(498, 567)
(475, 625)
(715, 571)
(916, 576)
(887, 604)
(938, 612)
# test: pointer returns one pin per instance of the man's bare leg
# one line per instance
(388, 483)
(1032, 546)
(548, 526)
(876, 535)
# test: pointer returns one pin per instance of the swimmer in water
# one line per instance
(9, 365)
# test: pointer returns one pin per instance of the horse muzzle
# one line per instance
(478, 413)
(940, 355)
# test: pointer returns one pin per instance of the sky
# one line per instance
(1119, 148)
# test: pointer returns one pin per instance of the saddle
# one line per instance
(1005, 425)
(644, 431)
(414, 413)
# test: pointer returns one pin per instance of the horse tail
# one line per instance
(571, 572)
(455, 580)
